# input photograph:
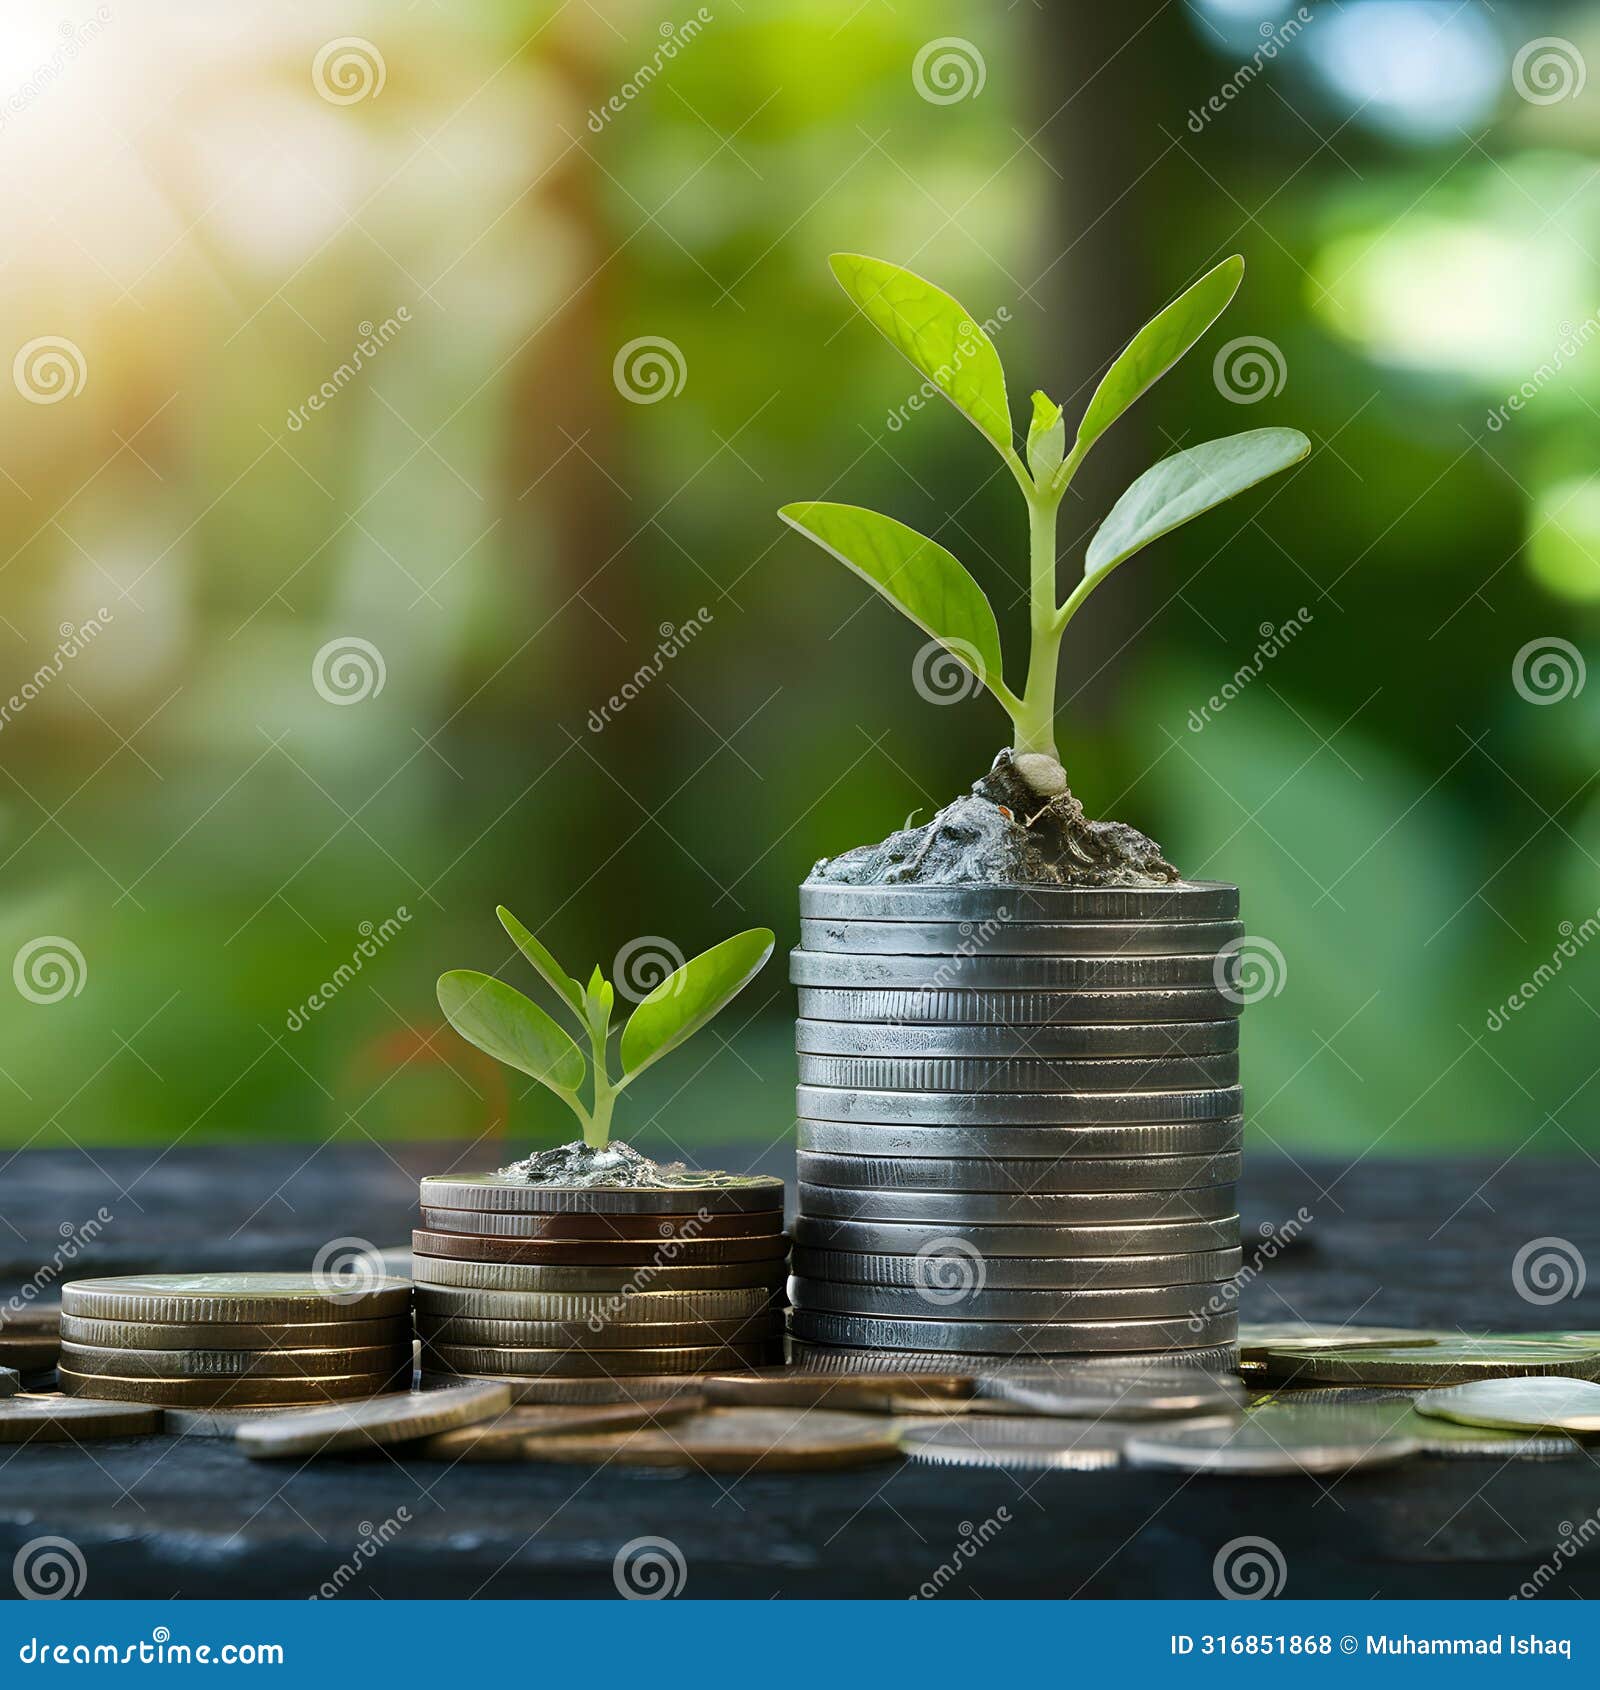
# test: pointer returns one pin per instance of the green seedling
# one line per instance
(918, 576)
(515, 1030)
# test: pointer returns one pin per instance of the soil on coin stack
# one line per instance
(1005, 833)
(616, 1165)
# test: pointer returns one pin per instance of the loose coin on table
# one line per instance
(378, 1421)
(1007, 1442)
(552, 1388)
(506, 1437)
(1007, 1338)
(1547, 1404)
(882, 1393)
(1257, 1338)
(1449, 1361)
(1146, 1393)
(1273, 1441)
(56, 1419)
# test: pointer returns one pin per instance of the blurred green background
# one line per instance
(349, 305)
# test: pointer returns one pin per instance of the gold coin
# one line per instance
(234, 1364)
(52, 1419)
(227, 1393)
(233, 1297)
(1256, 1338)
(221, 1335)
(389, 1419)
(1447, 1362)
(504, 1438)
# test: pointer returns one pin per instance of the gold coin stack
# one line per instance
(234, 1340)
(579, 1293)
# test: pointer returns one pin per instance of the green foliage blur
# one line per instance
(263, 875)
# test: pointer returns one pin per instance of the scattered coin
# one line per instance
(1256, 1338)
(1184, 900)
(1303, 1396)
(1008, 1338)
(59, 1419)
(985, 973)
(1018, 1444)
(1033, 1176)
(234, 1364)
(478, 1224)
(882, 1393)
(478, 1359)
(391, 1419)
(506, 1437)
(29, 1352)
(963, 1298)
(1016, 1208)
(232, 1298)
(1274, 1441)
(224, 1393)
(219, 1335)
(42, 1318)
(551, 1388)
(903, 1238)
(1061, 1109)
(640, 1307)
(958, 941)
(215, 1422)
(1144, 1393)
(1547, 1404)
(959, 1008)
(1149, 1038)
(729, 1194)
(613, 1334)
(1450, 1361)
(1128, 1141)
(1019, 1273)
(544, 1277)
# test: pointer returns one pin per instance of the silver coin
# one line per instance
(479, 1361)
(1022, 1109)
(1257, 1338)
(1007, 1338)
(1017, 1445)
(941, 1007)
(1184, 900)
(1274, 1441)
(513, 1276)
(1149, 1038)
(1033, 1175)
(1017, 1209)
(1144, 1393)
(971, 1298)
(641, 1307)
(741, 1194)
(1117, 1142)
(901, 1238)
(847, 1358)
(1023, 1273)
(451, 1331)
(985, 1074)
(1537, 1404)
(1010, 973)
(1017, 938)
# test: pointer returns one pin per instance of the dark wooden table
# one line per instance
(1407, 1243)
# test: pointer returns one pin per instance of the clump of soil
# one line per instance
(616, 1165)
(1005, 833)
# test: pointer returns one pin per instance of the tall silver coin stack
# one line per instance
(1019, 1121)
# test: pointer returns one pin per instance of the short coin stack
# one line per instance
(573, 1293)
(1019, 1121)
(234, 1340)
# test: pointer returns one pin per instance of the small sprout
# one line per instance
(515, 1030)
(925, 582)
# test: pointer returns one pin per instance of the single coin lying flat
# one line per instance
(1449, 1361)
(1015, 1443)
(1533, 1404)
(52, 1419)
(1391, 1414)
(379, 1420)
(1256, 1338)
(506, 1437)
(1274, 1441)
(1145, 1393)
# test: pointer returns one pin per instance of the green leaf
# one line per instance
(1189, 482)
(915, 574)
(598, 998)
(1047, 438)
(511, 1028)
(937, 334)
(690, 996)
(1157, 347)
(554, 974)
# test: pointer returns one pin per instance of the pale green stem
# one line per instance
(1034, 718)
(597, 1124)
